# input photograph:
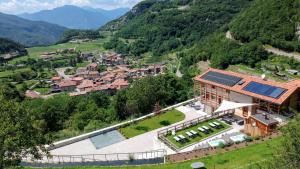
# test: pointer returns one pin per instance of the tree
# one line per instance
(288, 155)
(18, 136)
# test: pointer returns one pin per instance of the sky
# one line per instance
(30, 6)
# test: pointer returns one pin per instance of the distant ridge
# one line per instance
(29, 33)
(76, 17)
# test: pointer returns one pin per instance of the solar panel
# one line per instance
(265, 90)
(221, 78)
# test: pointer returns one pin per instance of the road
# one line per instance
(270, 49)
(61, 72)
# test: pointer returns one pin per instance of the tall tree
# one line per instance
(19, 137)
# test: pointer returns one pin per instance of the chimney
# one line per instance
(266, 116)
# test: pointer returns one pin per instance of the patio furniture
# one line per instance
(181, 137)
(177, 138)
(198, 165)
(189, 134)
(194, 132)
(212, 125)
(203, 130)
(216, 123)
(205, 127)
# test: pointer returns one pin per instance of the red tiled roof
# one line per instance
(94, 65)
(56, 78)
(32, 94)
(86, 84)
(66, 83)
(291, 86)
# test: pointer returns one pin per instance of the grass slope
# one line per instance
(152, 123)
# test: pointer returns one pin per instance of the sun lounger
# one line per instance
(216, 123)
(177, 138)
(212, 125)
(181, 137)
(201, 129)
(189, 134)
(193, 132)
(205, 127)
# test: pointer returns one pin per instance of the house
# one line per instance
(78, 80)
(87, 56)
(56, 79)
(120, 84)
(86, 84)
(267, 97)
(112, 59)
(66, 85)
(260, 125)
(91, 75)
(32, 94)
(92, 67)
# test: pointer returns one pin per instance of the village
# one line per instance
(117, 75)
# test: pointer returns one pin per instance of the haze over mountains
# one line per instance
(29, 33)
(76, 17)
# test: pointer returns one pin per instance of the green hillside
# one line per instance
(7, 46)
(163, 26)
(273, 22)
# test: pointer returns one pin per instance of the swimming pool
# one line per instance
(238, 138)
(216, 143)
(106, 139)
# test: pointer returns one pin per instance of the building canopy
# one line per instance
(227, 105)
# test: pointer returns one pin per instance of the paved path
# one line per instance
(269, 48)
(280, 52)
(140, 143)
(61, 72)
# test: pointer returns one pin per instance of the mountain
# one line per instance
(75, 17)
(273, 22)
(29, 33)
(163, 26)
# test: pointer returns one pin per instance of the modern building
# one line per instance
(269, 97)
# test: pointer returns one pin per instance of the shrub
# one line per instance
(165, 123)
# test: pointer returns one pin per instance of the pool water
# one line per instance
(238, 138)
(216, 143)
(106, 139)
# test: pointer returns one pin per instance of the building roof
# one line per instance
(290, 86)
(86, 84)
(94, 65)
(120, 83)
(77, 78)
(32, 94)
(264, 119)
(66, 83)
(56, 78)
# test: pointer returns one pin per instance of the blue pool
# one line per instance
(106, 139)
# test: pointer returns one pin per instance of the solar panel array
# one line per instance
(221, 78)
(265, 90)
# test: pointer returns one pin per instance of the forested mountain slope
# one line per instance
(7, 46)
(162, 26)
(274, 22)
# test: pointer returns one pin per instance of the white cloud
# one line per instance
(21, 6)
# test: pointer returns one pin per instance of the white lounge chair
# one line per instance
(177, 138)
(193, 132)
(181, 137)
(189, 134)
(205, 127)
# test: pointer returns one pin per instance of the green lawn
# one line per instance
(8, 73)
(240, 158)
(83, 64)
(199, 137)
(35, 52)
(42, 90)
(152, 123)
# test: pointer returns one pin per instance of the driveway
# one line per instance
(61, 72)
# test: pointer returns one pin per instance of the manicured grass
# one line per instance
(152, 123)
(197, 138)
(240, 158)
(83, 64)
